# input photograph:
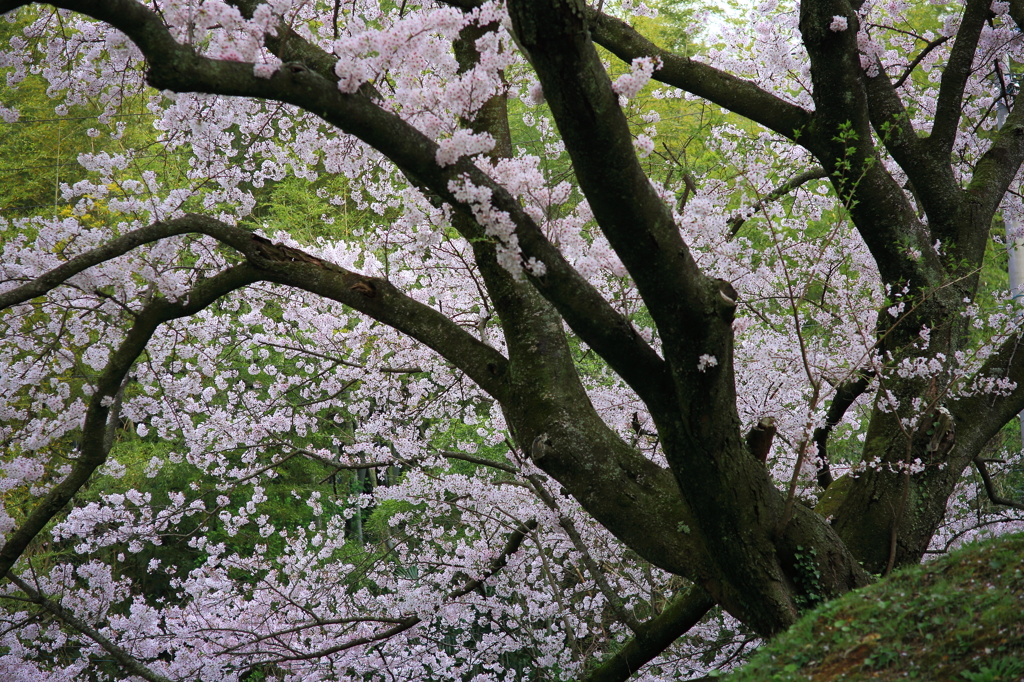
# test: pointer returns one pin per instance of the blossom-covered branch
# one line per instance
(515, 540)
(95, 441)
(125, 659)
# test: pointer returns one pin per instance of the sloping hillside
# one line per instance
(959, 618)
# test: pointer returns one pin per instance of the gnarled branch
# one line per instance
(990, 487)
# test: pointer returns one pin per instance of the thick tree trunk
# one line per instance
(752, 565)
(912, 456)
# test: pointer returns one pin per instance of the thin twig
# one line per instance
(917, 60)
(736, 222)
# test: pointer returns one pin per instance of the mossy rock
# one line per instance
(834, 496)
(959, 618)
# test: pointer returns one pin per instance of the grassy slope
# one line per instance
(959, 618)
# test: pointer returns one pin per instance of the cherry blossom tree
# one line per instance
(587, 324)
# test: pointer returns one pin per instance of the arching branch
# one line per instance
(374, 297)
(724, 89)
(190, 224)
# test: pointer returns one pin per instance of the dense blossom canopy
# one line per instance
(490, 340)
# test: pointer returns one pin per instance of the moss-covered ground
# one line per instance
(959, 618)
